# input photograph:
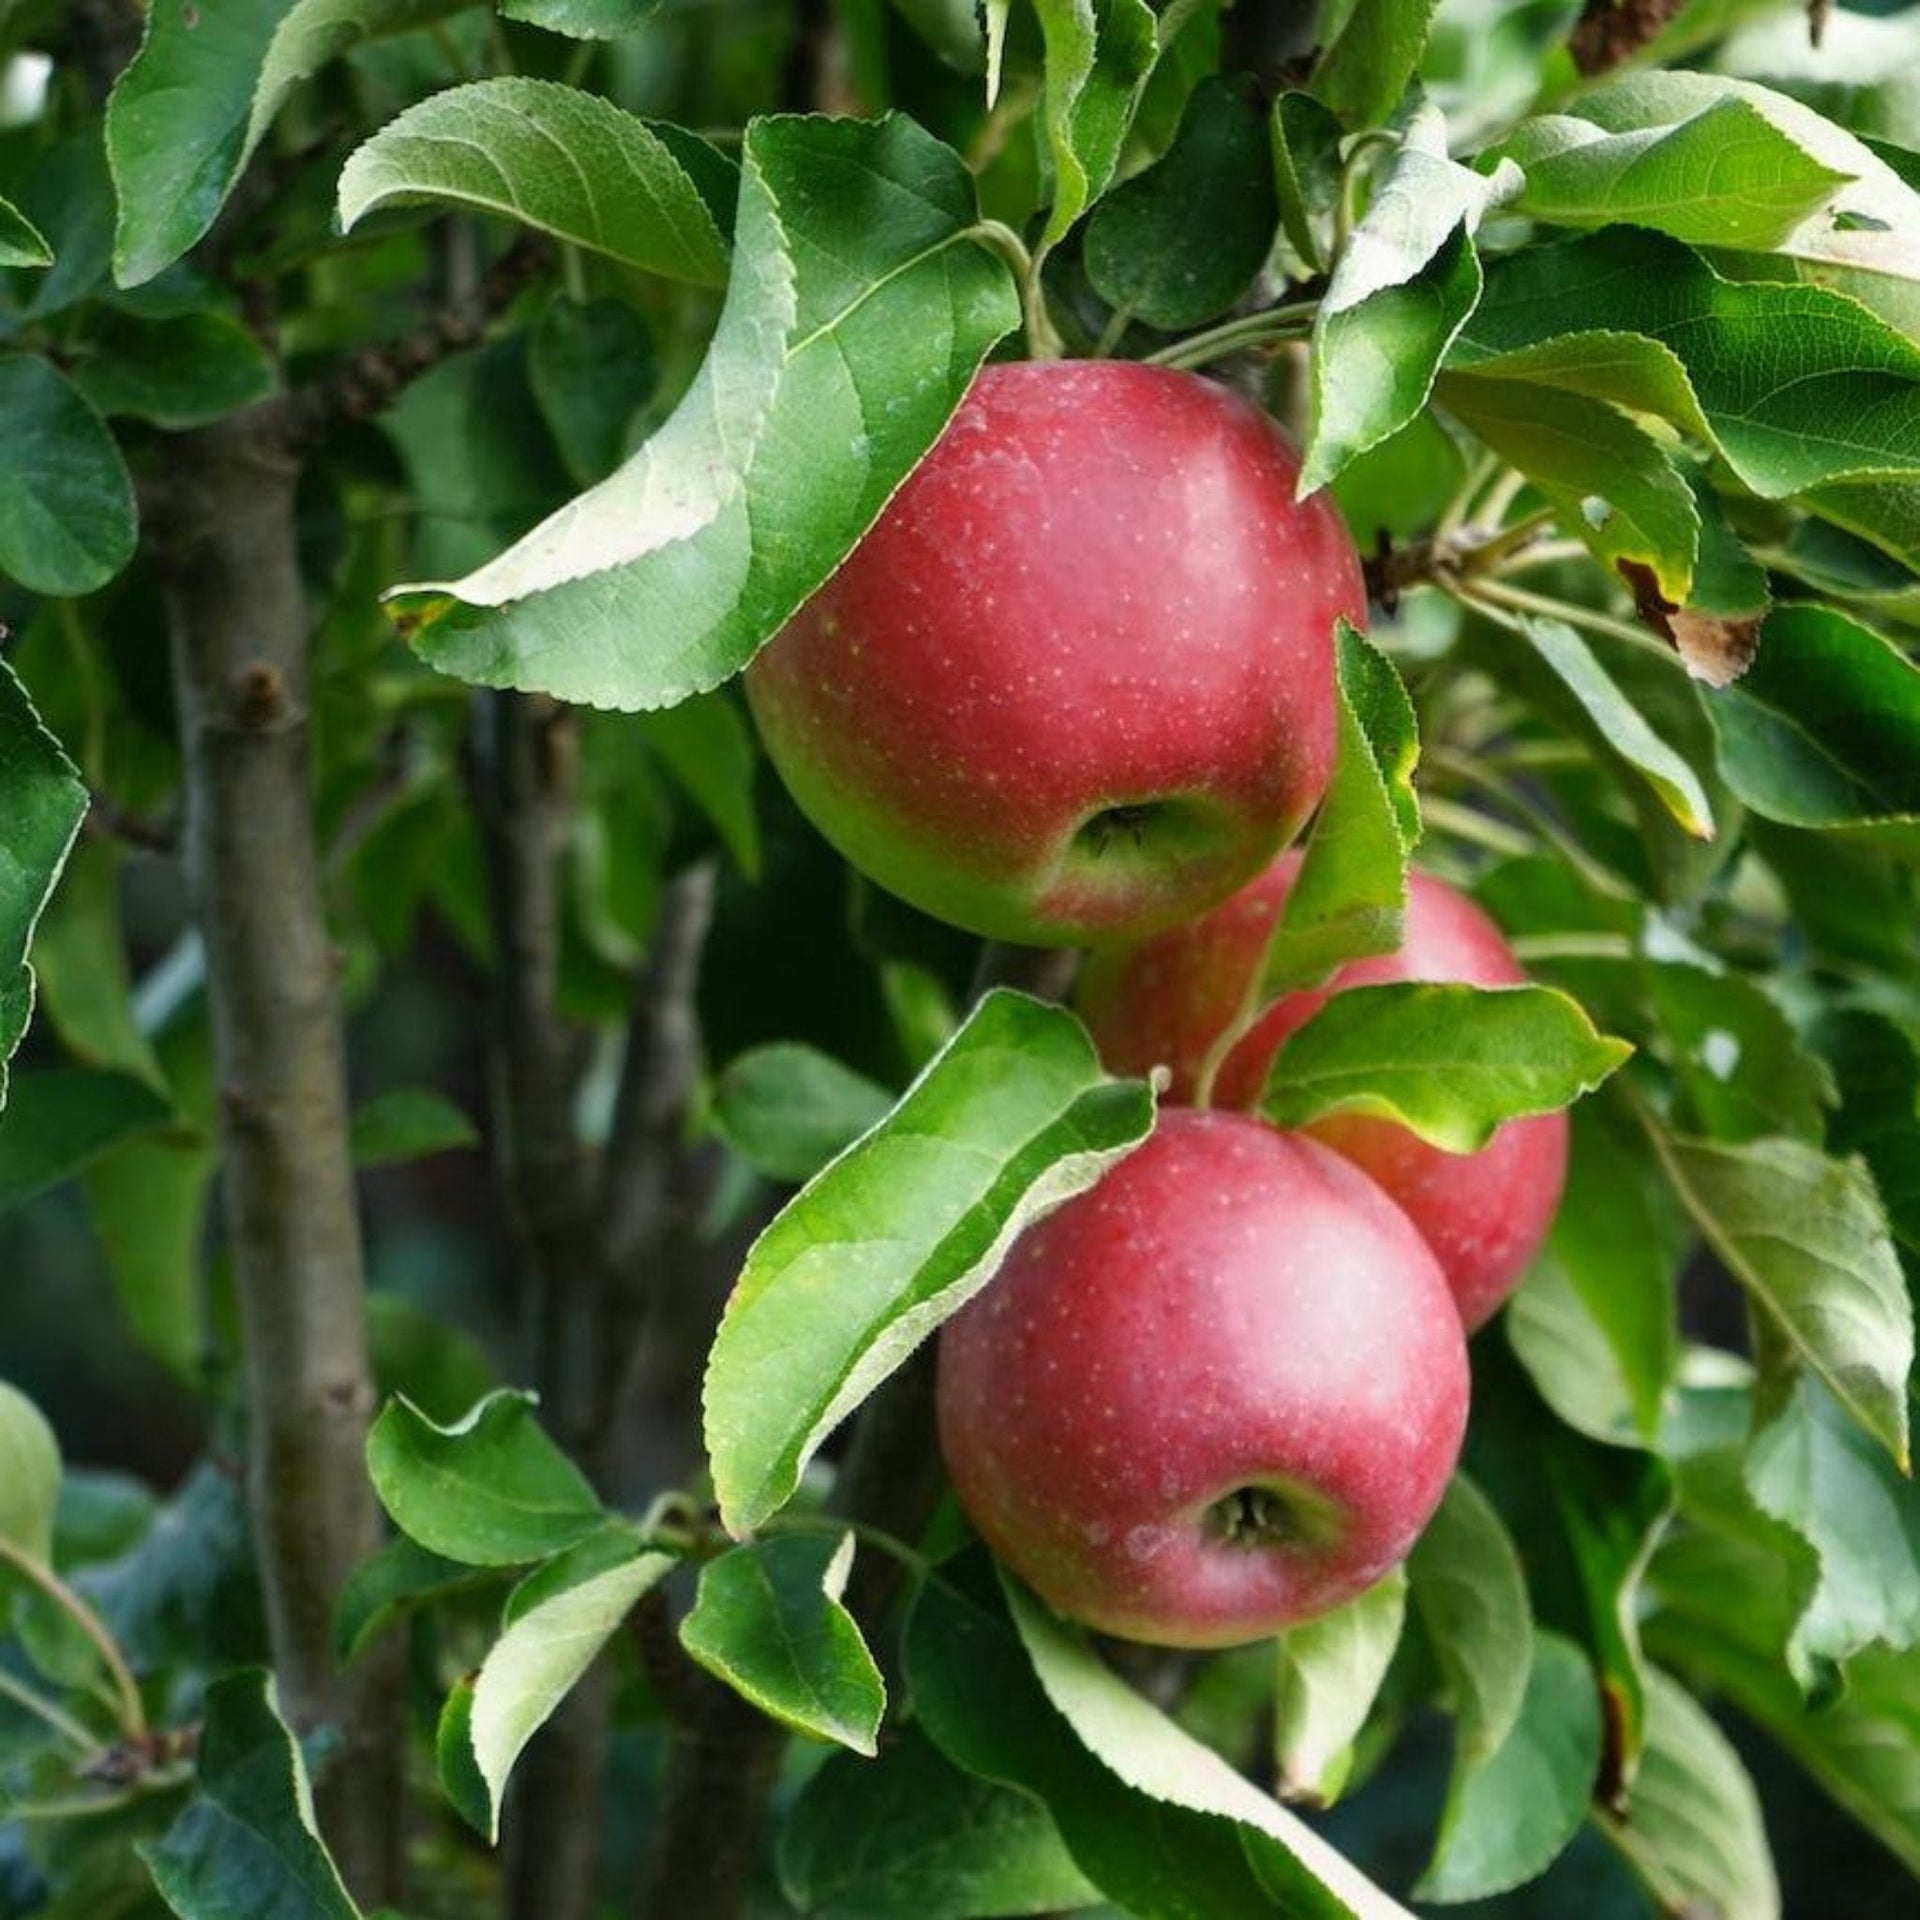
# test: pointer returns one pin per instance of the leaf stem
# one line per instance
(1490, 554)
(1043, 338)
(1490, 595)
(1110, 334)
(1469, 772)
(37, 1704)
(868, 1535)
(131, 1709)
(1266, 328)
(1454, 515)
(1479, 829)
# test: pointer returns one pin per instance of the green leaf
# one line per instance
(1508, 1816)
(592, 366)
(1740, 1062)
(1306, 171)
(147, 1198)
(768, 1621)
(1401, 291)
(1178, 243)
(66, 501)
(16, 1009)
(63, 1118)
(1722, 1597)
(908, 1836)
(1795, 385)
(42, 802)
(246, 1842)
(1471, 1597)
(1594, 1323)
(1330, 1673)
(401, 1576)
(1590, 1517)
(439, 1367)
(1806, 1236)
(181, 370)
(1812, 1469)
(708, 748)
(1142, 1747)
(1621, 724)
(558, 1619)
(1350, 896)
(1823, 730)
(857, 314)
(557, 159)
(1608, 479)
(788, 1109)
(189, 110)
(21, 244)
(490, 1490)
(1367, 64)
(1452, 1062)
(408, 1123)
(1881, 514)
(80, 960)
(1695, 1833)
(1864, 239)
(1098, 56)
(1012, 1117)
(1726, 176)
(977, 1694)
(583, 19)
(29, 1475)
(68, 195)
(1863, 1748)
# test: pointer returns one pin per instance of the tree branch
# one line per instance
(238, 619)
(725, 1755)
(596, 1232)
(369, 381)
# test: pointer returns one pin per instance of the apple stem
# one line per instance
(1043, 337)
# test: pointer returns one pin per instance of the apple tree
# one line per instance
(520, 1168)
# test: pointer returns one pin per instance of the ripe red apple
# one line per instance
(1165, 1001)
(1218, 1393)
(1076, 684)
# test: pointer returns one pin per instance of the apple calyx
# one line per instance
(1265, 1514)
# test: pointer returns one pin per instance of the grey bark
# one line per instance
(239, 624)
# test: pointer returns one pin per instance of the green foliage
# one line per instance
(30, 1476)
(1451, 1062)
(490, 1490)
(768, 1621)
(909, 1836)
(557, 1620)
(859, 359)
(531, 149)
(787, 1110)
(1618, 382)
(247, 1841)
(1011, 1118)
(66, 502)
(1350, 896)
(44, 805)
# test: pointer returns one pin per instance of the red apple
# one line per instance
(1076, 684)
(1165, 1001)
(1216, 1394)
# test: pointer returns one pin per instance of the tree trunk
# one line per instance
(239, 628)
